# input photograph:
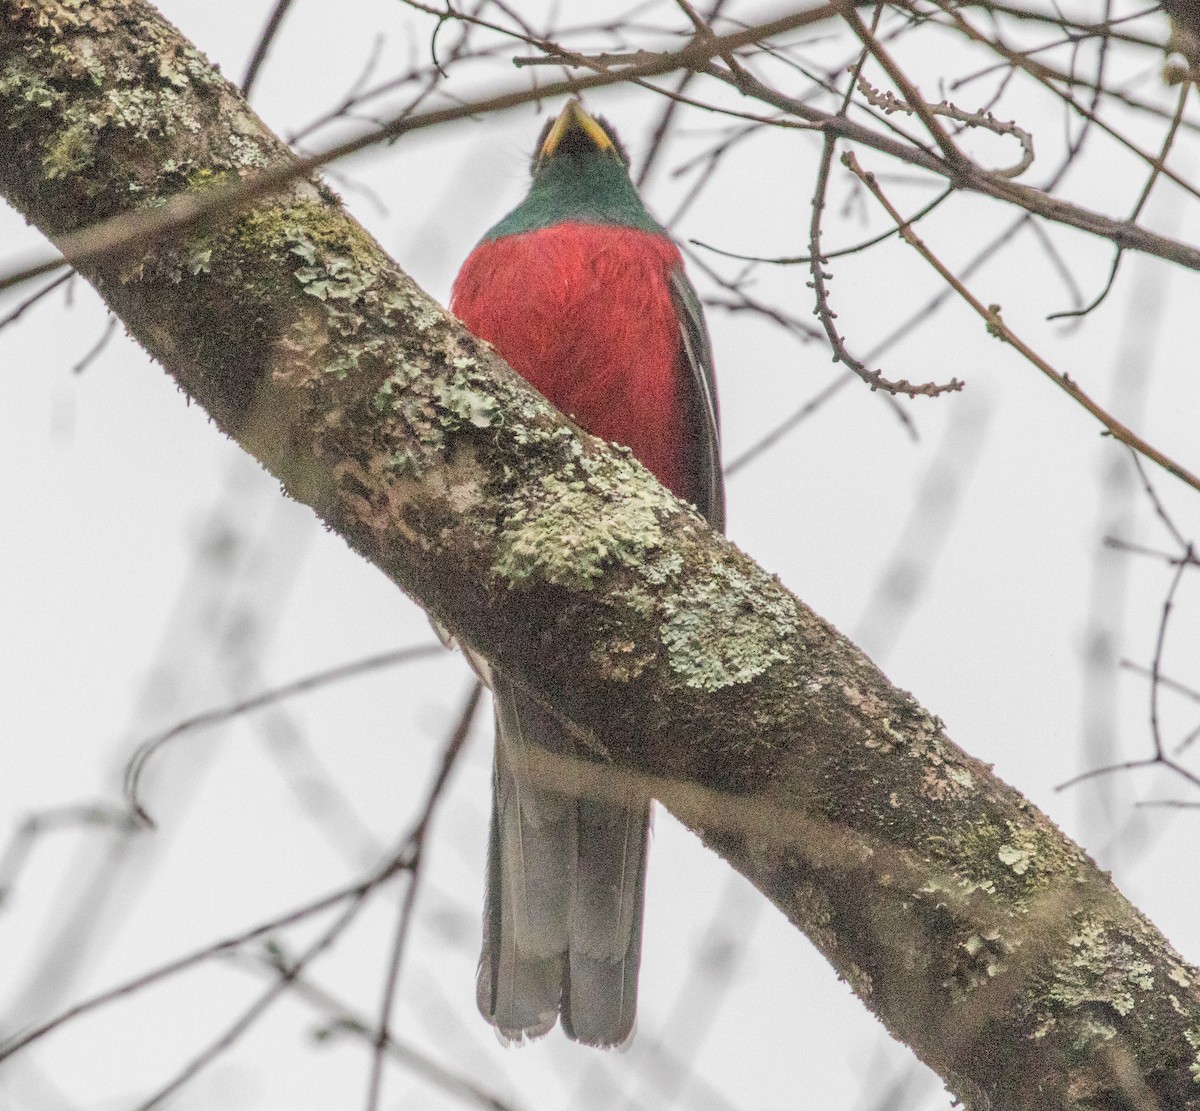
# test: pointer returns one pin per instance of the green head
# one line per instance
(581, 173)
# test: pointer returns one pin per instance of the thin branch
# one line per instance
(667, 117)
(1168, 558)
(274, 22)
(1155, 173)
(34, 298)
(1156, 663)
(842, 252)
(95, 815)
(396, 863)
(259, 1007)
(997, 327)
(889, 103)
(418, 840)
(661, 128)
(744, 302)
(911, 95)
(95, 351)
(1160, 510)
(1123, 766)
(1104, 29)
(1160, 757)
(145, 226)
(1057, 262)
(137, 762)
(873, 378)
(343, 1020)
(781, 430)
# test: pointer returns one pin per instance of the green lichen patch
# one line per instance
(430, 408)
(1101, 977)
(1017, 857)
(1193, 1039)
(61, 16)
(342, 299)
(321, 242)
(464, 400)
(24, 90)
(727, 628)
(111, 98)
(559, 537)
(1022, 861)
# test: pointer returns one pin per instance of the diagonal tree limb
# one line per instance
(960, 915)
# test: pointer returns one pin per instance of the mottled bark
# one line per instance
(960, 915)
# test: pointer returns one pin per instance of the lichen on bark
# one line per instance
(974, 929)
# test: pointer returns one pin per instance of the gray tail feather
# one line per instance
(563, 915)
(605, 930)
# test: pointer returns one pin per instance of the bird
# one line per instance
(584, 294)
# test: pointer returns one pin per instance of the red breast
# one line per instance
(584, 313)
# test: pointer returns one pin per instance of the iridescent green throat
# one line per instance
(590, 186)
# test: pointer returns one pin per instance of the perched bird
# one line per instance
(584, 294)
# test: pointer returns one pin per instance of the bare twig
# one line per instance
(1144, 196)
(274, 22)
(996, 326)
(1160, 757)
(93, 815)
(1103, 29)
(256, 1009)
(1160, 510)
(912, 96)
(341, 1019)
(841, 252)
(24, 306)
(787, 426)
(873, 378)
(143, 752)
(417, 840)
(890, 103)
(354, 892)
(97, 348)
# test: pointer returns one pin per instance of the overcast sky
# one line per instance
(148, 571)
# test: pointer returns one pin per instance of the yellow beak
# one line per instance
(574, 118)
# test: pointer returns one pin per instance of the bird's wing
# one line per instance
(704, 419)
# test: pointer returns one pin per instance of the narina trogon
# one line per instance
(584, 294)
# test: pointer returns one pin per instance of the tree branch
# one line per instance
(959, 914)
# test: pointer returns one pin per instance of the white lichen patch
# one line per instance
(1017, 858)
(1102, 967)
(727, 628)
(567, 536)
(1193, 1039)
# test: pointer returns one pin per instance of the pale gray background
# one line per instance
(148, 570)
